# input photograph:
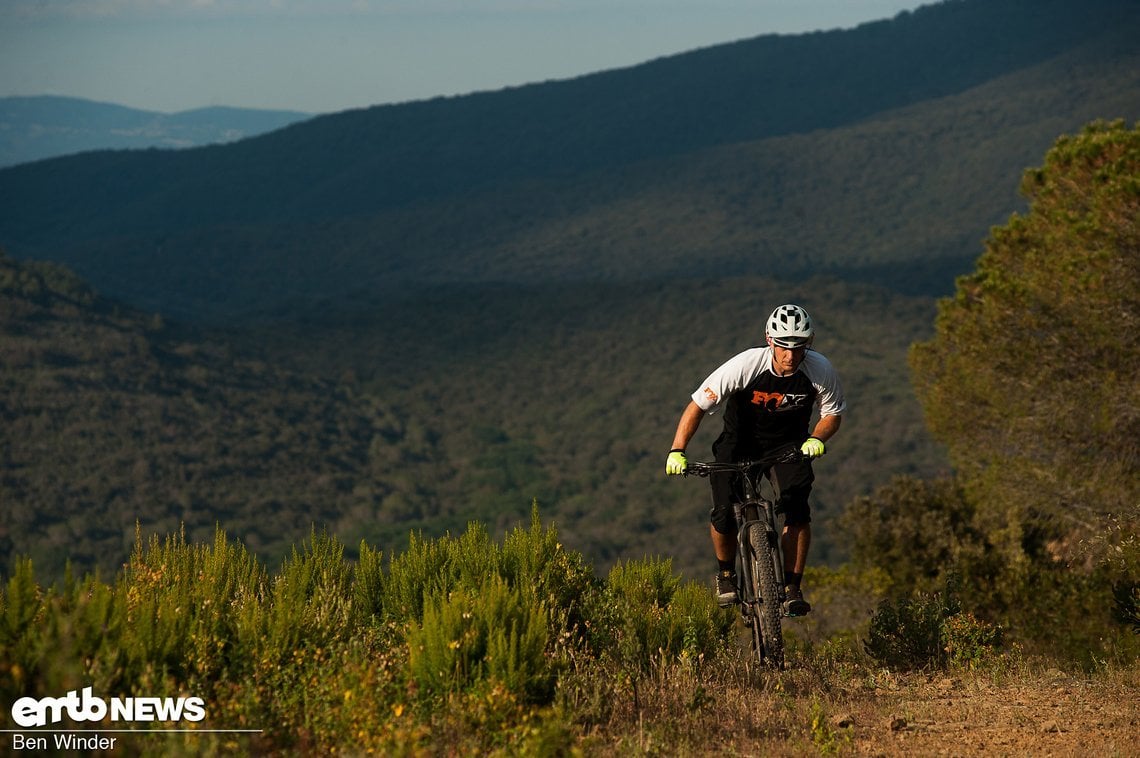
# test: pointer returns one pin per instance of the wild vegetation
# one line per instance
(117, 419)
(461, 643)
(114, 419)
(519, 646)
(1030, 381)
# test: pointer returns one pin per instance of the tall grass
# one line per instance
(328, 654)
(510, 646)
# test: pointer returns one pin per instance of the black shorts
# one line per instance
(791, 482)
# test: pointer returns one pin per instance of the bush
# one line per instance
(907, 633)
(649, 615)
(930, 631)
(968, 641)
(916, 531)
(460, 636)
(494, 636)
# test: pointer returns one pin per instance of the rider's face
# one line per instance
(785, 360)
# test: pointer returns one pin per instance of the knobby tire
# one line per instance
(767, 633)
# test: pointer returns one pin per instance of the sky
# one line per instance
(321, 56)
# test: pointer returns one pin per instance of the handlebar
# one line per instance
(790, 454)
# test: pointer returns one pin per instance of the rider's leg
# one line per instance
(722, 521)
(795, 542)
(796, 537)
(724, 545)
(792, 483)
(722, 529)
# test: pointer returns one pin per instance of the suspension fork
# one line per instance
(749, 512)
(758, 510)
(777, 549)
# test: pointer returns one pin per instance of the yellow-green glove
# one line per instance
(812, 448)
(676, 463)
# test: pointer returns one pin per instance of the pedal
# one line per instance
(796, 608)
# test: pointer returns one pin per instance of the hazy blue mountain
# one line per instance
(34, 128)
(882, 152)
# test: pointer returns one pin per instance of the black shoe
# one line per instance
(726, 588)
(795, 605)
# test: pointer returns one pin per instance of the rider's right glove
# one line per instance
(676, 463)
(812, 448)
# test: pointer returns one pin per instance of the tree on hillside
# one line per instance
(1031, 377)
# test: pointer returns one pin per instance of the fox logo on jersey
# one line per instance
(776, 401)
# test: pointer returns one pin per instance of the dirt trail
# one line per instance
(1055, 714)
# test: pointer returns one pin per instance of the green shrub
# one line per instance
(181, 608)
(493, 635)
(22, 613)
(931, 631)
(311, 603)
(968, 641)
(907, 633)
(535, 561)
(433, 567)
(411, 575)
(369, 586)
(647, 614)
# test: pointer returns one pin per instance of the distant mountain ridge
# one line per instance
(47, 126)
(568, 179)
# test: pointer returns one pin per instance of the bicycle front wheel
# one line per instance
(767, 631)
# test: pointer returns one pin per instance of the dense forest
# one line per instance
(430, 360)
(978, 586)
(113, 419)
(116, 418)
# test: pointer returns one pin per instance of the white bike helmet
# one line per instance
(790, 326)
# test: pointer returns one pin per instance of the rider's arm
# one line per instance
(687, 426)
(826, 427)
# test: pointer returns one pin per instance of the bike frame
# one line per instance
(756, 518)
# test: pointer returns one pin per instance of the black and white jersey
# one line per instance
(762, 409)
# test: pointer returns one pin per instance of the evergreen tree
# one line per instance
(1031, 377)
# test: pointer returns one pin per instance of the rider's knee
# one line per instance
(722, 519)
(796, 512)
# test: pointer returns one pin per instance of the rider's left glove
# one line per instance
(676, 463)
(812, 448)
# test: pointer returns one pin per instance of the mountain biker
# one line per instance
(767, 396)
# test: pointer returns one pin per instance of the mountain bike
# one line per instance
(759, 559)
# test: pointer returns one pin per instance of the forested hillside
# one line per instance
(113, 420)
(444, 310)
(570, 394)
(564, 395)
(1001, 601)
(891, 146)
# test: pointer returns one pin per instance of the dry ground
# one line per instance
(1017, 711)
(1052, 714)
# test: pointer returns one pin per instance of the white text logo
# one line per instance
(29, 712)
